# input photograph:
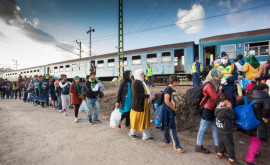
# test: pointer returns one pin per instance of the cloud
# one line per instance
(238, 19)
(224, 3)
(186, 16)
(2, 35)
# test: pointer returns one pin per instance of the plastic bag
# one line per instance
(83, 106)
(245, 82)
(115, 118)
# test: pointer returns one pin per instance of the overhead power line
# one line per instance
(67, 50)
(169, 25)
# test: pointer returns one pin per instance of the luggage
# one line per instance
(194, 97)
(245, 117)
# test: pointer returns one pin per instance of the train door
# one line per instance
(209, 55)
(179, 60)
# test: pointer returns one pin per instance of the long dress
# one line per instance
(141, 120)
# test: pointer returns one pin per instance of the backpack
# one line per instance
(159, 99)
(245, 117)
(194, 97)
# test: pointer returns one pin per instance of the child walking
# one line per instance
(224, 121)
(170, 134)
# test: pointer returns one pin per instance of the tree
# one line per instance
(3, 70)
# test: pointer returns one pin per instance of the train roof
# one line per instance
(239, 35)
(176, 45)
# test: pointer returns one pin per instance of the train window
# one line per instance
(67, 68)
(151, 59)
(136, 60)
(74, 67)
(111, 63)
(55, 69)
(125, 61)
(166, 57)
(51, 69)
(31, 71)
(35, 70)
(229, 49)
(100, 64)
(27, 71)
(15, 73)
(38, 70)
(24, 72)
(81, 66)
(257, 48)
(21, 72)
(61, 68)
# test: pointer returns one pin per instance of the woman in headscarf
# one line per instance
(211, 92)
(140, 108)
(124, 98)
(76, 91)
(252, 68)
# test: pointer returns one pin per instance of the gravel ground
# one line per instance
(35, 135)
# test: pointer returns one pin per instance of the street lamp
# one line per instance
(89, 32)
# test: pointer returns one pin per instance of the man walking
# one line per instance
(92, 98)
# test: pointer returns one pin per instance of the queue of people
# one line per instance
(134, 98)
(59, 94)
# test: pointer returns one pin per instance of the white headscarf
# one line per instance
(137, 76)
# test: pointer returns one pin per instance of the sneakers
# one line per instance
(60, 111)
(133, 137)
(221, 156)
(180, 150)
(150, 139)
(76, 120)
(232, 162)
(98, 121)
(90, 121)
(201, 149)
(167, 144)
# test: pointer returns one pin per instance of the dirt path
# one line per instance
(32, 135)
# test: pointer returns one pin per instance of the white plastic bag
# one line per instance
(115, 118)
(83, 106)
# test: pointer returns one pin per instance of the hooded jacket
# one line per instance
(224, 119)
(123, 89)
(87, 89)
(240, 65)
(261, 109)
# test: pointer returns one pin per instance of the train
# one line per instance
(165, 60)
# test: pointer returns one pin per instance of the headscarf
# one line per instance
(78, 86)
(126, 77)
(252, 60)
(137, 76)
(214, 76)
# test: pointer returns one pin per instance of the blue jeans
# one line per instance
(204, 124)
(12, 94)
(92, 102)
(150, 81)
(59, 102)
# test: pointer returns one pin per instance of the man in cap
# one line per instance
(230, 75)
(196, 72)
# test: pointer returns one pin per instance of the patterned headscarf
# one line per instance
(214, 76)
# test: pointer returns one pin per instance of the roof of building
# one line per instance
(239, 35)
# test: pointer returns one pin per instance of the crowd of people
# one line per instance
(59, 94)
(133, 100)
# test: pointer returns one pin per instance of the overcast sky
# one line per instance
(31, 29)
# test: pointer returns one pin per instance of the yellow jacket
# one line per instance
(251, 73)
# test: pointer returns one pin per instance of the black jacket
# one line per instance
(122, 93)
(224, 119)
(138, 96)
(87, 91)
(261, 110)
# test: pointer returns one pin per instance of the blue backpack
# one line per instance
(245, 117)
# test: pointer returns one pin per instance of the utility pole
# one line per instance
(80, 45)
(15, 63)
(89, 32)
(120, 39)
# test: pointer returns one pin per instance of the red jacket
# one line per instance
(209, 91)
(75, 99)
